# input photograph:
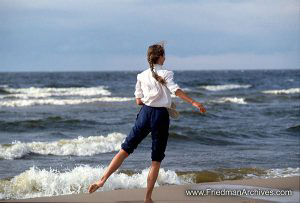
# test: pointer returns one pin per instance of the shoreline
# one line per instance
(177, 193)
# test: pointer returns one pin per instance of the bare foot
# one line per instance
(96, 186)
(148, 201)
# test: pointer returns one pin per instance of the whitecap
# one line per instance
(283, 91)
(231, 100)
(44, 92)
(52, 101)
(224, 87)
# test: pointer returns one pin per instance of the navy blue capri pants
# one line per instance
(150, 119)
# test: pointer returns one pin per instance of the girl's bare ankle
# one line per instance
(148, 200)
(148, 197)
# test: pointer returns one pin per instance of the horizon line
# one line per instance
(126, 70)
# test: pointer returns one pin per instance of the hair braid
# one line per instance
(154, 52)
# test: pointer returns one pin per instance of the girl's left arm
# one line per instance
(185, 97)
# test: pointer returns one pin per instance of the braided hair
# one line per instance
(153, 54)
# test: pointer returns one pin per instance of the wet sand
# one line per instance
(177, 193)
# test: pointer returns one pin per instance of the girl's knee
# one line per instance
(156, 163)
(124, 153)
(157, 156)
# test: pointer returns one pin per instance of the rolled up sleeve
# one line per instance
(138, 90)
(171, 85)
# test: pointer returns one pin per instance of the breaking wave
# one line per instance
(32, 96)
(34, 102)
(43, 92)
(82, 146)
(36, 182)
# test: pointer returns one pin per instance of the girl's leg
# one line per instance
(113, 166)
(152, 176)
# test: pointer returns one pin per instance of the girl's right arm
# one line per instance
(188, 99)
(139, 101)
(138, 93)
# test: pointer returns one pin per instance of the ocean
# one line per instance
(60, 130)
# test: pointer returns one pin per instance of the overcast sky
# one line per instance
(95, 35)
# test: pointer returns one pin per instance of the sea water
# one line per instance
(60, 130)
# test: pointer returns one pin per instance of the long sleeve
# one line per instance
(171, 85)
(138, 90)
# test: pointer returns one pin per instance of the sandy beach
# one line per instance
(177, 193)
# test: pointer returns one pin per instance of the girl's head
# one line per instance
(156, 55)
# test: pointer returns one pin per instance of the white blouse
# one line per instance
(153, 93)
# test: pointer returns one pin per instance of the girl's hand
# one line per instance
(94, 187)
(139, 101)
(199, 106)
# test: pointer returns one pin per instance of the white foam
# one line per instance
(284, 91)
(52, 101)
(276, 173)
(282, 172)
(36, 182)
(40, 182)
(82, 146)
(231, 100)
(187, 89)
(43, 92)
(224, 87)
(3, 86)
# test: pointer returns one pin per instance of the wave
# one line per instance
(230, 100)
(207, 137)
(36, 182)
(34, 102)
(186, 89)
(44, 92)
(49, 122)
(201, 140)
(32, 96)
(281, 172)
(222, 174)
(82, 146)
(3, 91)
(195, 112)
(283, 91)
(178, 136)
(294, 128)
(224, 87)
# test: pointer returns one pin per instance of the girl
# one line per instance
(152, 91)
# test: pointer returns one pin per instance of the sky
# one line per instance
(97, 35)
